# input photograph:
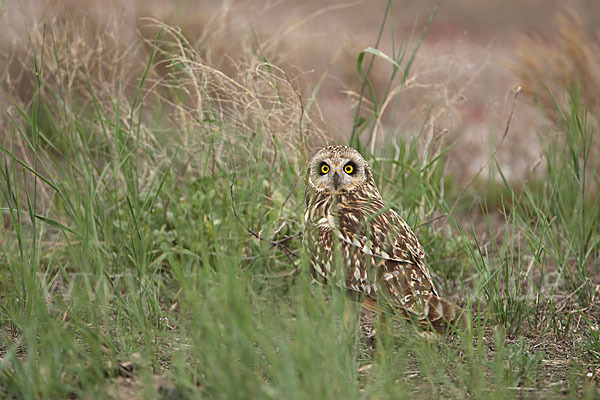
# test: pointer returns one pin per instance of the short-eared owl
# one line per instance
(348, 224)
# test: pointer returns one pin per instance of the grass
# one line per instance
(152, 244)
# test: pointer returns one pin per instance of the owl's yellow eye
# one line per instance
(349, 169)
(324, 168)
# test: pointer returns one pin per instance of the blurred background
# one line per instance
(472, 58)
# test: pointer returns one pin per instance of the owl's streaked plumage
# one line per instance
(348, 224)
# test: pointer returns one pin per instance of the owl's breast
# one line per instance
(321, 212)
(327, 222)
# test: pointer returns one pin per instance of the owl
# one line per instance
(365, 246)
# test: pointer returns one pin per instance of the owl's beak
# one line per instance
(336, 180)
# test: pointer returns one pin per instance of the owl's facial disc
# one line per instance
(336, 175)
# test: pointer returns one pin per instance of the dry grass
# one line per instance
(561, 67)
(460, 75)
(568, 59)
(91, 74)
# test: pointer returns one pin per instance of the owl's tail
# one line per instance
(439, 314)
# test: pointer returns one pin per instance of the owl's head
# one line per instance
(338, 169)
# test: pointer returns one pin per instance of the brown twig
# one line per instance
(430, 220)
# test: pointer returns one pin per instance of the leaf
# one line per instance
(56, 224)
(380, 54)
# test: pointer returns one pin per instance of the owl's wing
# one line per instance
(409, 244)
(394, 251)
(414, 291)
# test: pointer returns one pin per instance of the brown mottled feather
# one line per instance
(381, 256)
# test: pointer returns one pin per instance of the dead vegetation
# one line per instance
(565, 61)
(459, 80)
(562, 66)
(86, 72)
